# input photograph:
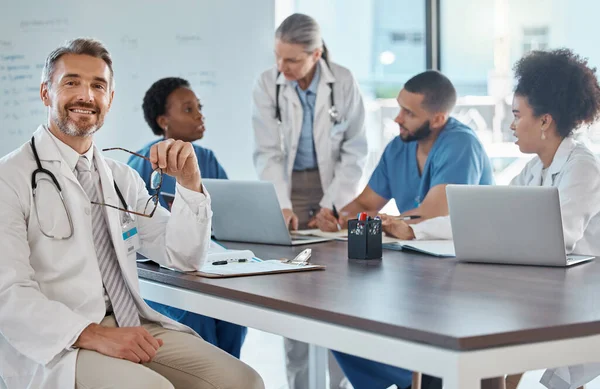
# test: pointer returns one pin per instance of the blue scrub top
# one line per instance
(209, 168)
(457, 157)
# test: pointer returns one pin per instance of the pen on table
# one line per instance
(226, 262)
(410, 217)
(337, 218)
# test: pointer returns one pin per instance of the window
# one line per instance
(535, 38)
(381, 41)
(480, 42)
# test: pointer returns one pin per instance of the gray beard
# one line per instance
(67, 127)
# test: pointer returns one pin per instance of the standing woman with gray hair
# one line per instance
(308, 121)
(310, 140)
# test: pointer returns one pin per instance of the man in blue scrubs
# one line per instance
(172, 110)
(431, 151)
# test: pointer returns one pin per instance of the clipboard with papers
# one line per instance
(252, 268)
(224, 263)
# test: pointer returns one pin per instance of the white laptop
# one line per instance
(508, 224)
(248, 211)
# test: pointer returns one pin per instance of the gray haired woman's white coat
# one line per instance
(341, 149)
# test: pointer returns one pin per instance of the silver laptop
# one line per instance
(248, 211)
(508, 224)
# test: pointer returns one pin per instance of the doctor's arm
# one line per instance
(350, 166)
(34, 325)
(431, 211)
(178, 240)
(368, 201)
(374, 197)
(433, 205)
(434, 226)
(269, 158)
(461, 161)
(579, 192)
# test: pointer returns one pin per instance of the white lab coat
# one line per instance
(341, 149)
(50, 290)
(575, 171)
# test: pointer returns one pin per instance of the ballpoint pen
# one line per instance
(337, 218)
(224, 262)
(410, 217)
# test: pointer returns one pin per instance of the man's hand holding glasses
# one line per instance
(177, 159)
(173, 157)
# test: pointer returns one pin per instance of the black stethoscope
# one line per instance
(334, 114)
(54, 181)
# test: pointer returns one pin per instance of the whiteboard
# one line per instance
(221, 47)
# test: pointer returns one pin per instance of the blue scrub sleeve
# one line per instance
(459, 161)
(220, 171)
(143, 167)
(379, 181)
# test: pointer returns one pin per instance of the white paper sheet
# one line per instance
(340, 235)
(438, 248)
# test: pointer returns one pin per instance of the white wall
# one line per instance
(219, 46)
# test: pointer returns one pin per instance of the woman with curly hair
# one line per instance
(173, 111)
(556, 93)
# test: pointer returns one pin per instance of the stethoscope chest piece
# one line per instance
(334, 114)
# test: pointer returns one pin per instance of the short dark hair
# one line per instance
(155, 100)
(438, 91)
(559, 83)
(78, 46)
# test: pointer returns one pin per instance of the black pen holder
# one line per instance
(364, 239)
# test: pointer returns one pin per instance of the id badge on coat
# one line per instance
(131, 238)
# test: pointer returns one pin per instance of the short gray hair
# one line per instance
(302, 30)
(79, 46)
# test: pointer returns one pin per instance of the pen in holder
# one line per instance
(364, 239)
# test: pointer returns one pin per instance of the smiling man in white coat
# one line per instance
(71, 315)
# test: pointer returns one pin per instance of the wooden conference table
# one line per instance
(461, 322)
